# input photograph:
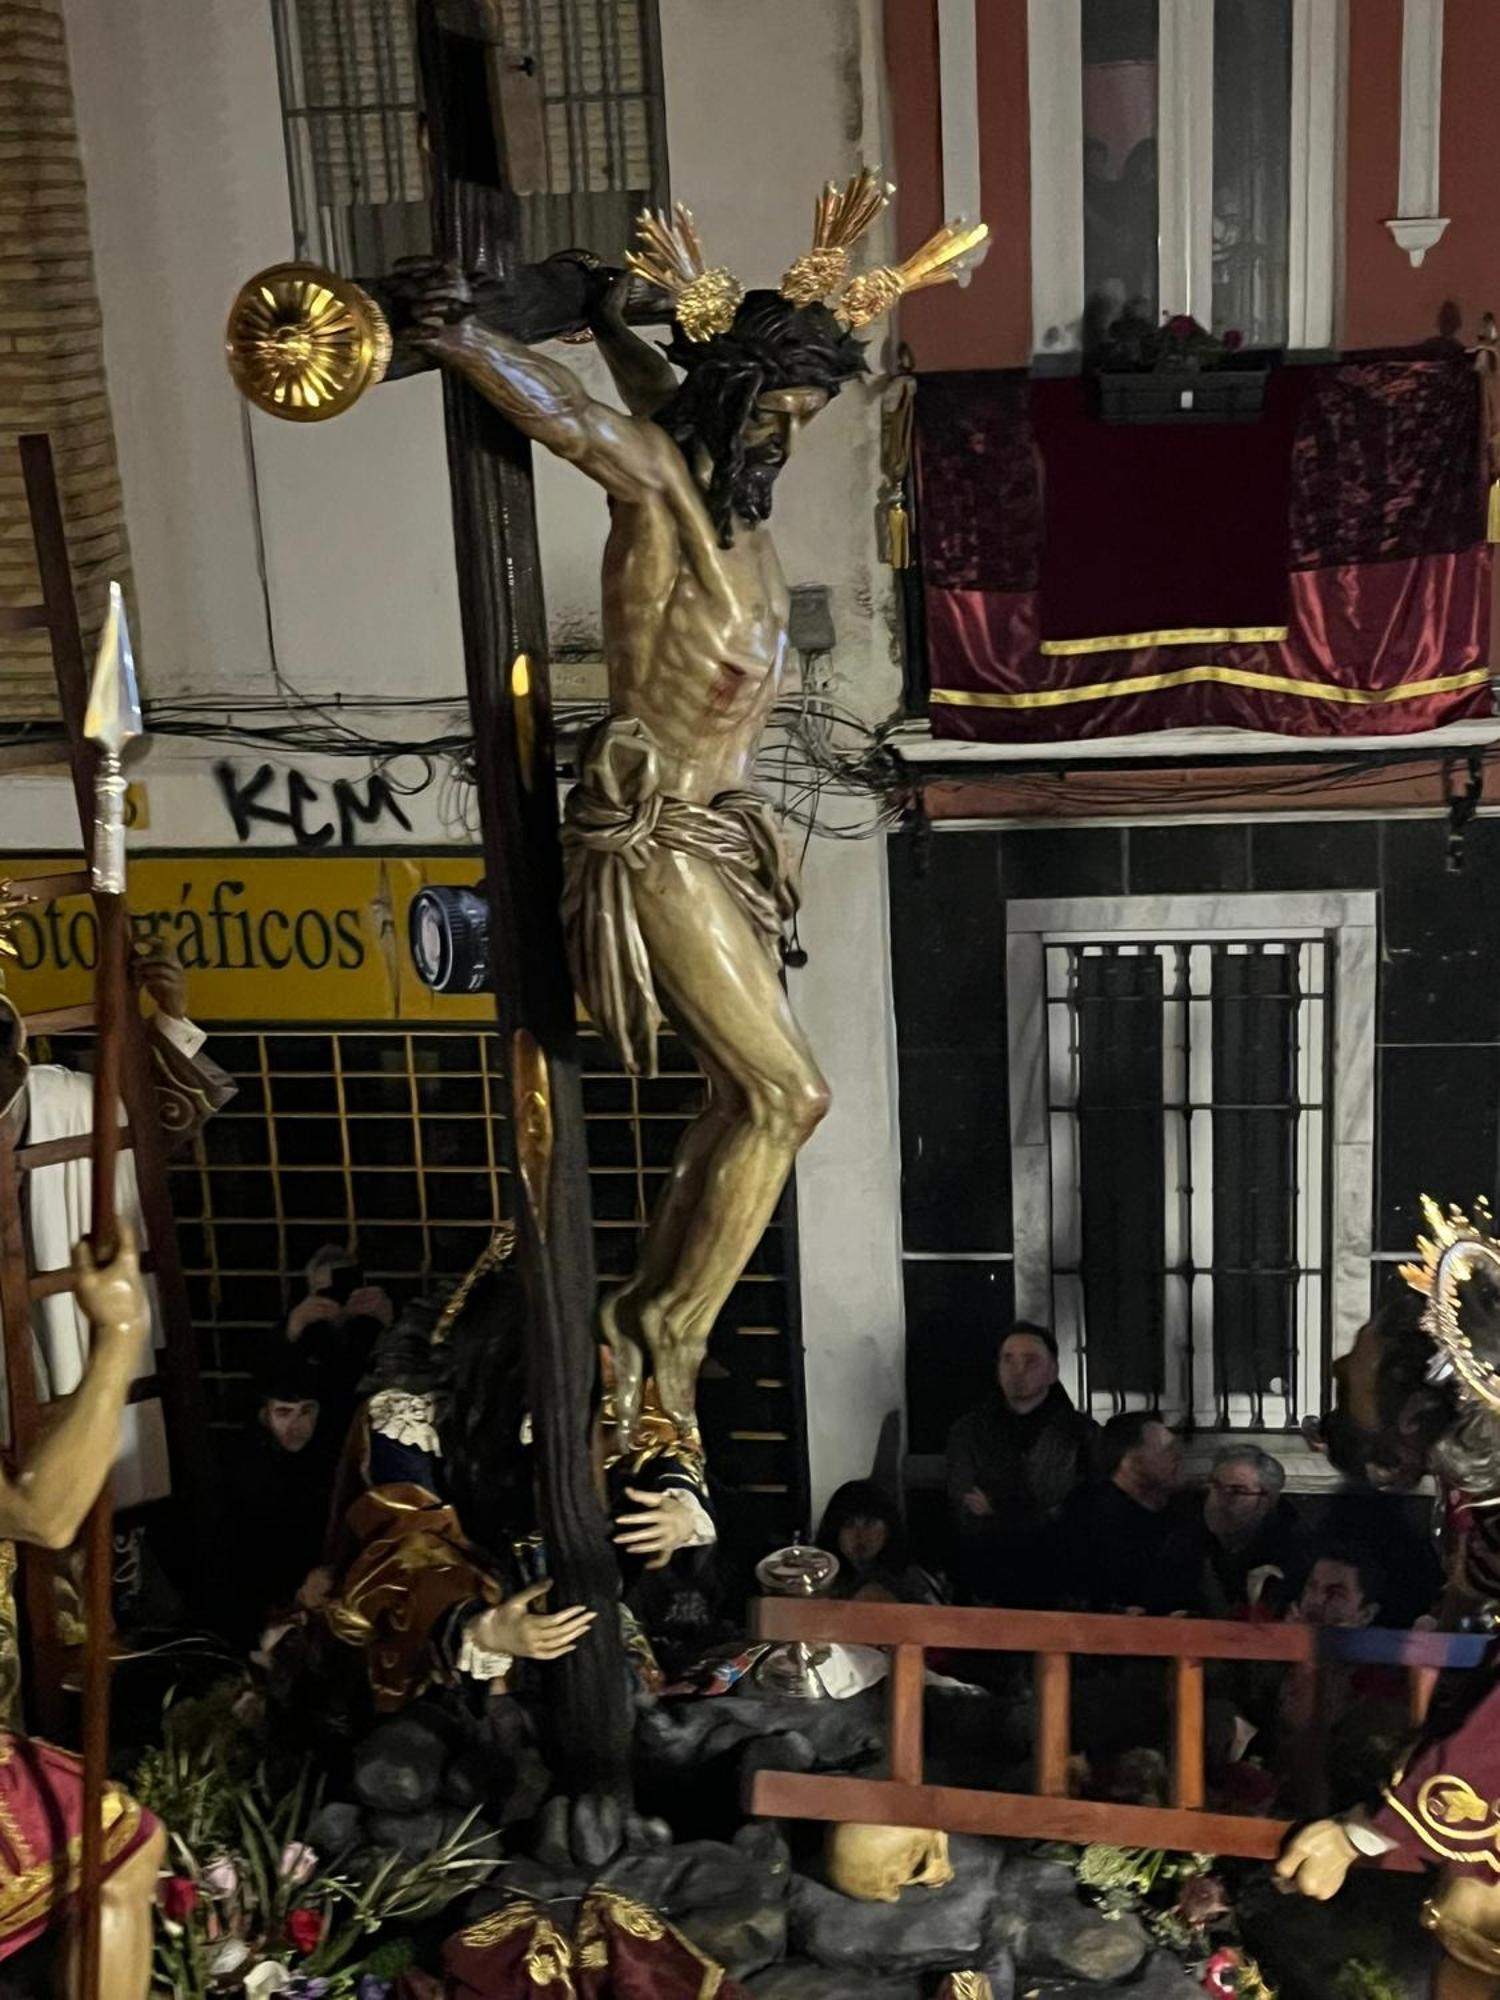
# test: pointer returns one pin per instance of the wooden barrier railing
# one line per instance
(1054, 1639)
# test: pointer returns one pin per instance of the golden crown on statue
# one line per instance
(706, 298)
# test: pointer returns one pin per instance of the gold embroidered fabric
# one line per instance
(1452, 1820)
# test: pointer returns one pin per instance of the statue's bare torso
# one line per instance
(695, 640)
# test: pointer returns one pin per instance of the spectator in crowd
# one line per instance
(1012, 1465)
(1130, 1545)
(1250, 1536)
(339, 1323)
(862, 1527)
(280, 1483)
(1337, 1727)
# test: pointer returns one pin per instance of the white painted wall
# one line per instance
(323, 554)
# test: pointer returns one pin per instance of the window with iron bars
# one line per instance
(576, 90)
(1176, 1205)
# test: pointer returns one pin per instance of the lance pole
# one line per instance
(113, 720)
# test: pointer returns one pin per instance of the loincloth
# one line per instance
(616, 821)
(41, 1835)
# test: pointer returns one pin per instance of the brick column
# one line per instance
(51, 350)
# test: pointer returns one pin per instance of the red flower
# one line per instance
(179, 1898)
(1233, 340)
(1182, 325)
(304, 1929)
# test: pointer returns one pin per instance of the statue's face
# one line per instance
(773, 431)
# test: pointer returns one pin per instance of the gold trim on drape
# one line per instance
(1182, 635)
(1061, 697)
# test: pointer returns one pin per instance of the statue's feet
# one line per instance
(617, 1323)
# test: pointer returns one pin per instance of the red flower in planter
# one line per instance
(179, 1898)
(1233, 341)
(1182, 325)
(304, 1928)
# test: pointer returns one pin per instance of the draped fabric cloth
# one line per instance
(1380, 533)
(41, 1835)
(414, 1577)
(1162, 527)
(617, 820)
(618, 1950)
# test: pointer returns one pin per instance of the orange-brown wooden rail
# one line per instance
(1054, 1638)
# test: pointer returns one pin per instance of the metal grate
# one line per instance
(1187, 1087)
(575, 87)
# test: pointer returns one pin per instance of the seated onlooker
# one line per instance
(1012, 1465)
(1129, 1546)
(279, 1477)
(1250, 1535)
(339, 1322)
(862, 1527)
(1336, 1725)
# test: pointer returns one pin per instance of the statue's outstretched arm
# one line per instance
(630, 457)
(643, 375)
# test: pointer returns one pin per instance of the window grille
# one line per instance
(576, 88)
(386, 1140)
(1187, 1087)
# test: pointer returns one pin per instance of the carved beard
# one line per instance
(753, 486)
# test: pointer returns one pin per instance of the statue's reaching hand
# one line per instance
(111, 1295)
(433, 294)
(1316, 1860)
(526, 1634)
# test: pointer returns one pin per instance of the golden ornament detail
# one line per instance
(1451, 1254)
(305, 344)
(671, 258)
(840, 219)
(705, 299)
(496, 1252)
(12, 902)
(937, 262)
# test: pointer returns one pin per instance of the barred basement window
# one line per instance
(577, 90)
(1192, 1196)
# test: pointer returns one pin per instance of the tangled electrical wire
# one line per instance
(828, 770)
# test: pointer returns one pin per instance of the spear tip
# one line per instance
(113, 717)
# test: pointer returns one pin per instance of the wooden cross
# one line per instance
(475, 225)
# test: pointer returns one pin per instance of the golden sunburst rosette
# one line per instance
(1450, 1255)
(304, 343)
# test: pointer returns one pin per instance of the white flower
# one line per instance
(227, 1957)
(267, 1978)
(297, 1863)
(221, 1878)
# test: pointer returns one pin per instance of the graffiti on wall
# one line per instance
(288, 800)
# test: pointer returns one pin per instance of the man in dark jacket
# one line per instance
(1249, 1536)
(1012, 1464)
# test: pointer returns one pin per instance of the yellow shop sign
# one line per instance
(261, 938)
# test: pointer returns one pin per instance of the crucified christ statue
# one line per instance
(677, 883)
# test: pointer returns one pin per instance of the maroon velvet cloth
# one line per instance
(1388, 463)
(1385, 627)
(1440, 1808)
(979, 488)
(1385, 576)
(1156, 527)
(617, 1951)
